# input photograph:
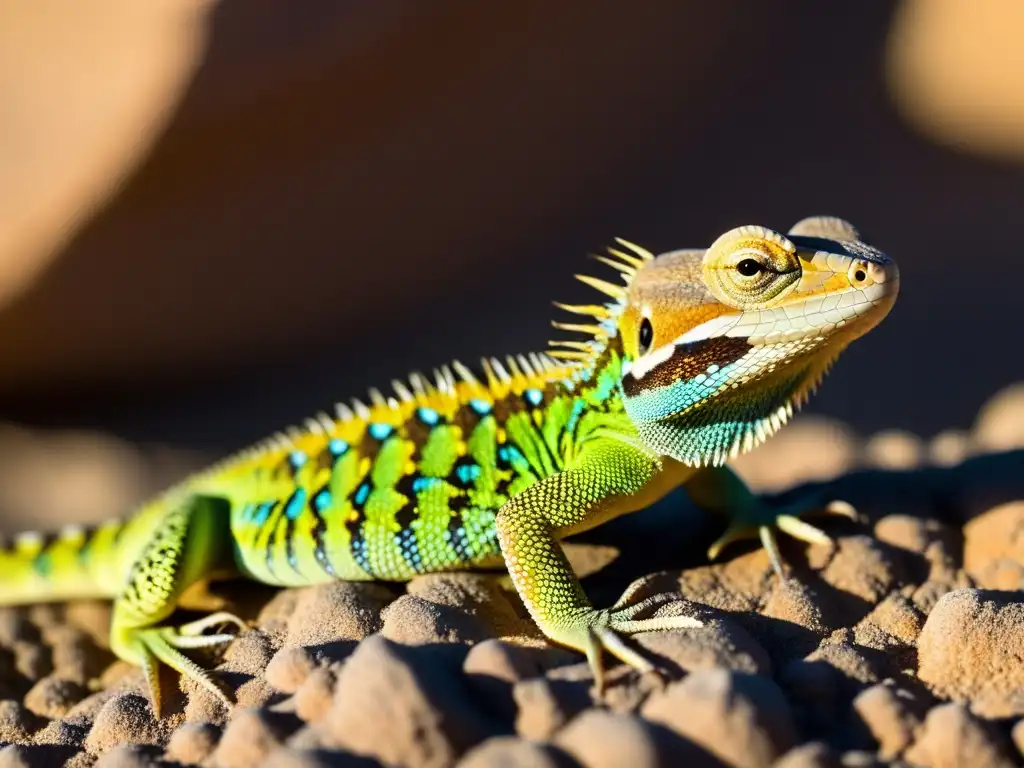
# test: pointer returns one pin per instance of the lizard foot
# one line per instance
(165, 644)
(600, 630)
(762, 520)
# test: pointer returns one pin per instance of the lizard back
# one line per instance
(410, 483)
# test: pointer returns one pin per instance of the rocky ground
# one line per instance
(901, 644)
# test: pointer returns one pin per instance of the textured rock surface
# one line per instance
(900, 643)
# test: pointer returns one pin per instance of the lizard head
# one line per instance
(719, 346)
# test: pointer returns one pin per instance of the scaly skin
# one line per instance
(702, 355)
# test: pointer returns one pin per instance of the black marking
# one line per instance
(276, 509)
(457, 537)
(319, 532)
(354, 525)
(688, 361)
(406, 515)
(464, 473)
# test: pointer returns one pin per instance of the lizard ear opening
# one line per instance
(828, 227)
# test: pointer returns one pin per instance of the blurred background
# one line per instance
(218, 217)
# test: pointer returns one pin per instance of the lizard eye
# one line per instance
(646, 336)
(749, 267)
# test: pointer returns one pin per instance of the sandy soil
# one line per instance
(901, 644)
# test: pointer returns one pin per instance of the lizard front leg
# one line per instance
(719, 489)
(596, 487)
(184, 545)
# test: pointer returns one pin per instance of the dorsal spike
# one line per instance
(599, 311)
(464, 373)
(360, 409)
(537, 361)
(500, 372)
(344, 412)
(629, 259)
(590, 330)
(377, 397)
(419, 384)
(402, 391)
(525, 366)
(440, 381)
(313, 426)
(643, 253)
(449, 377)
(582, 346)
(513, 366)
(325, 421)
(565, 354)
(608, 289)
(625, 269)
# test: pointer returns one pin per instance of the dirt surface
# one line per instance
(900, 644)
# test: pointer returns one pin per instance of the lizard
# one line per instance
(699, 355)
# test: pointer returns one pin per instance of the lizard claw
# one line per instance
(152, 646)
(600, 631)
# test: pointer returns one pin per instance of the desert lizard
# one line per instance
(701, 354)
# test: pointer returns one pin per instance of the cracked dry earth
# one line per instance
(903, 643)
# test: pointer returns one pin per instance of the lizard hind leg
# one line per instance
(182, 545)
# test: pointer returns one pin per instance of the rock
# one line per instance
(15, 626)
(414, 690)
(742, 719)
(937, 542)
(813, 754)
(509, 752)
(601, 739)
(927, 595)
(128, 756)
(336, 611)
(894, 449)
(192, 743)
(994, 535)
(860, 566)
(998, 425)
(249, 737)
(851, 662)
(952, 738)
(289, 668)
(413, 620)
(32, 660)
(75, 657)
(545, 705)
(313, 699)
(972, 644)
(124, 719)
(949, 447)
(898, 617)
(511, 662)
(1001, 574)
(16, 756)
(1017, 734)
(719, 643)
(16, 723)
(53, 696)
(477, 594)
(794, 601)
(889, 720)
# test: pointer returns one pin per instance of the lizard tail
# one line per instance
(75, 563)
